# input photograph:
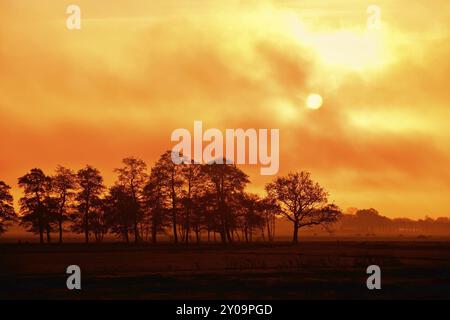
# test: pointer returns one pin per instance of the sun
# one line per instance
(314, 101)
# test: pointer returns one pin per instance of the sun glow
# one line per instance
(350, 50)
(314, 101)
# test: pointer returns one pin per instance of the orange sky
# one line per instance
(139, 69)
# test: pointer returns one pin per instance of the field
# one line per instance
(310, 270)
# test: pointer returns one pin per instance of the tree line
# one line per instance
(185, 202)
(370, 222)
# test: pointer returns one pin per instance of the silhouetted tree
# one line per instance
(7, 213)
(133, 176)
(171, 174)
(365, 221)
(64, 185)
(369, 219)
(225, 182)
(99, 219)
(156, 200)
(36, 206)
(252, 216)
(204, 215)
(270, 210)
(193, 188)
(90, 189)
(120, 209)
(303, 201)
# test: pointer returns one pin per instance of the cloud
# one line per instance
(134, 73)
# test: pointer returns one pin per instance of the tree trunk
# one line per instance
(187, 226)
(86, 220)
(136, 231)
(48, 235)
(272, 235)
(295, 238)
(230, 239)
(136, 214)
(61, 217)
(174, 223)
(41, 236)
(41, 228)
(60, 231)
(154, 230)
(86, 227)
(188, 211)
(222, 236)
(174, 212)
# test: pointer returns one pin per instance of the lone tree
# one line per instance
(7, 213)
(302, 201)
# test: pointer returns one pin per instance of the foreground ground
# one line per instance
(310, 270)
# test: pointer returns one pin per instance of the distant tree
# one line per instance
(171, 174)
(7, 213)
(99, 219)
(133, 177)
(225, 182)
(197, 217)
(251, 215)
(302, 201)
(193, 189)
(120, 209)
(36, 206)
(270, 210)
(156, 201)
(370, 220)
(204, 215)
(64, 184)
(88, 197)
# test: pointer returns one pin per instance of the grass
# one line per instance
(309, 270)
